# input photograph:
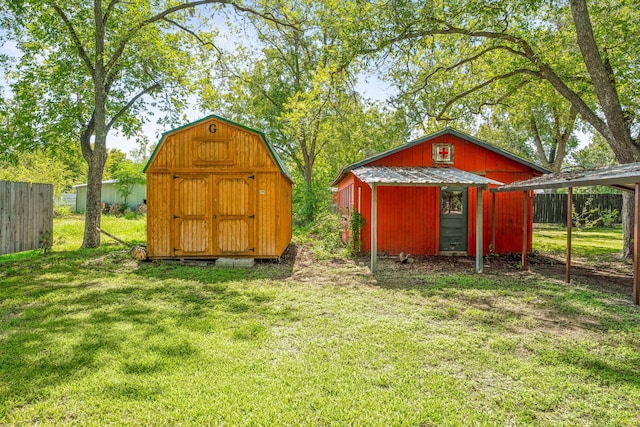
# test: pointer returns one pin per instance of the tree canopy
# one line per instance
(297, 83)
(89, 68)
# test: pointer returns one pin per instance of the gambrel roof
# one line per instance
(274, 153)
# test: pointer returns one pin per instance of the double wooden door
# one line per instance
(213, 215)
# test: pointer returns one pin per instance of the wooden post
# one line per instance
(479, 254)
(525, 222)
(493, 223)
(636, 248)
(569, 228)
(374, 227)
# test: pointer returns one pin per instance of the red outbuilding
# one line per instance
(422, 198)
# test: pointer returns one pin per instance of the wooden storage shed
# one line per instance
(217, 189)
(425, 193)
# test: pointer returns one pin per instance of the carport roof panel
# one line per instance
(420, 176)
(622, 176)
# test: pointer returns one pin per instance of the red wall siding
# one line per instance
(408, 217)
(407, 220)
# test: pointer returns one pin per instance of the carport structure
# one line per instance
(625, 177)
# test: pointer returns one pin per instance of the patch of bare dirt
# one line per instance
(615, 275)
(341, 272)
(120, 261)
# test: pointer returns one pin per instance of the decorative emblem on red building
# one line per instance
(442, 154)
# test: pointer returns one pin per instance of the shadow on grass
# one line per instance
(558, 318)
(71, 314)
(607, 308)
(605, 369)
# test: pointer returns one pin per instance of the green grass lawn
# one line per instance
(94, 338)
(590, 243)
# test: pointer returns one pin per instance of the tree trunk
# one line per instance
(615, 129)
(309, 196)
(96, 156)
(93, 211)
(628, 214)
(94, 197)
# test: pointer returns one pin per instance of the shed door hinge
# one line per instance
(252, 177)
(252, 216)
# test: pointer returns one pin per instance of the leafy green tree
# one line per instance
(535, 127)
(595, 155)
(127, 175)
(89, 67)
(461, 56)
(39, 167)
(297, 84)
(114, 158)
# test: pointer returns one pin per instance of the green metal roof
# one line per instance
(274, 154)
(445, 131)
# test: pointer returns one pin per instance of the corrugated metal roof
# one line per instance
(621, 176)
(111, 181)
(421, 176)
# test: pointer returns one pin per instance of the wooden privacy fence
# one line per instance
(552, 208)
(26, 216)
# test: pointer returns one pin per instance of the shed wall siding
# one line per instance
(267, 197)
(159, 215)
(240, 212)
(407, 219)
(110, 195)
(284, 214)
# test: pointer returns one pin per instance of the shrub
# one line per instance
(61, 210)
(325, 234)
(130, 214)
(356, 223)
(589, 217)
(117, 209)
